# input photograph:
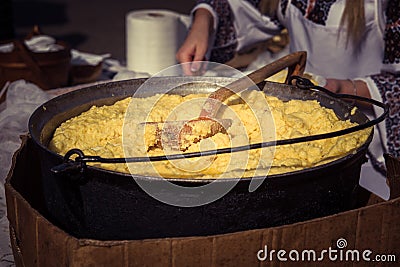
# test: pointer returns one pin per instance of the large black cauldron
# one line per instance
(109, 205)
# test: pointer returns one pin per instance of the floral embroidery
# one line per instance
(225, 42)
(392, 33)
(223, 54)
(389, 87)
(319, 13)
(284, 4)
(226, 35)
(388, 83)
(301, 5)
(392, 11)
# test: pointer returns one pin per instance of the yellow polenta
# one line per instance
(119, 131)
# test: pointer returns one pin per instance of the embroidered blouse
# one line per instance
(313, 26)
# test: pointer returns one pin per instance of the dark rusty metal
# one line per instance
(111, 205)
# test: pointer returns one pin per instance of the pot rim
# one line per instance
(117, 84)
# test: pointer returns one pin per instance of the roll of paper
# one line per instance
(152, 39)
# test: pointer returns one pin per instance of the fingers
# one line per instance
(197, 67)
(185, 56)
(186, 52)
(196, 44)
(191, 52)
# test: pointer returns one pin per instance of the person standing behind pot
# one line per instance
(354, 44)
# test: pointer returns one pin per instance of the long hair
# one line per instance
(353, 17)
(268, 7)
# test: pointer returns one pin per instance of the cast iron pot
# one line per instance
(107, 205)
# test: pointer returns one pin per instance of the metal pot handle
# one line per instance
(80, 161)
(294, 62)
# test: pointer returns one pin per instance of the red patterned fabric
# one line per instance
(392, 33)
(389, 87)
(387, 83)
(319, 13)
(225, 40)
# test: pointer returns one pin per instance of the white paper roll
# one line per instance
(152, 39)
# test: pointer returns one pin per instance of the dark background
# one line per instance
(96, 26)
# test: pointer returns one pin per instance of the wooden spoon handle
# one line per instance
(295, 63)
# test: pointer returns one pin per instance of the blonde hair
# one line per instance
(353, 17)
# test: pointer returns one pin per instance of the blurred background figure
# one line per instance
(354, 44)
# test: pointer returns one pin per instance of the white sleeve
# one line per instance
(211, 10)
(251, 26)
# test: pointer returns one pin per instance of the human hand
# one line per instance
(195, 45)
(333, 85)
(192, 51)
(350, 87)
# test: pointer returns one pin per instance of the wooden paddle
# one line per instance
(178, 135)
